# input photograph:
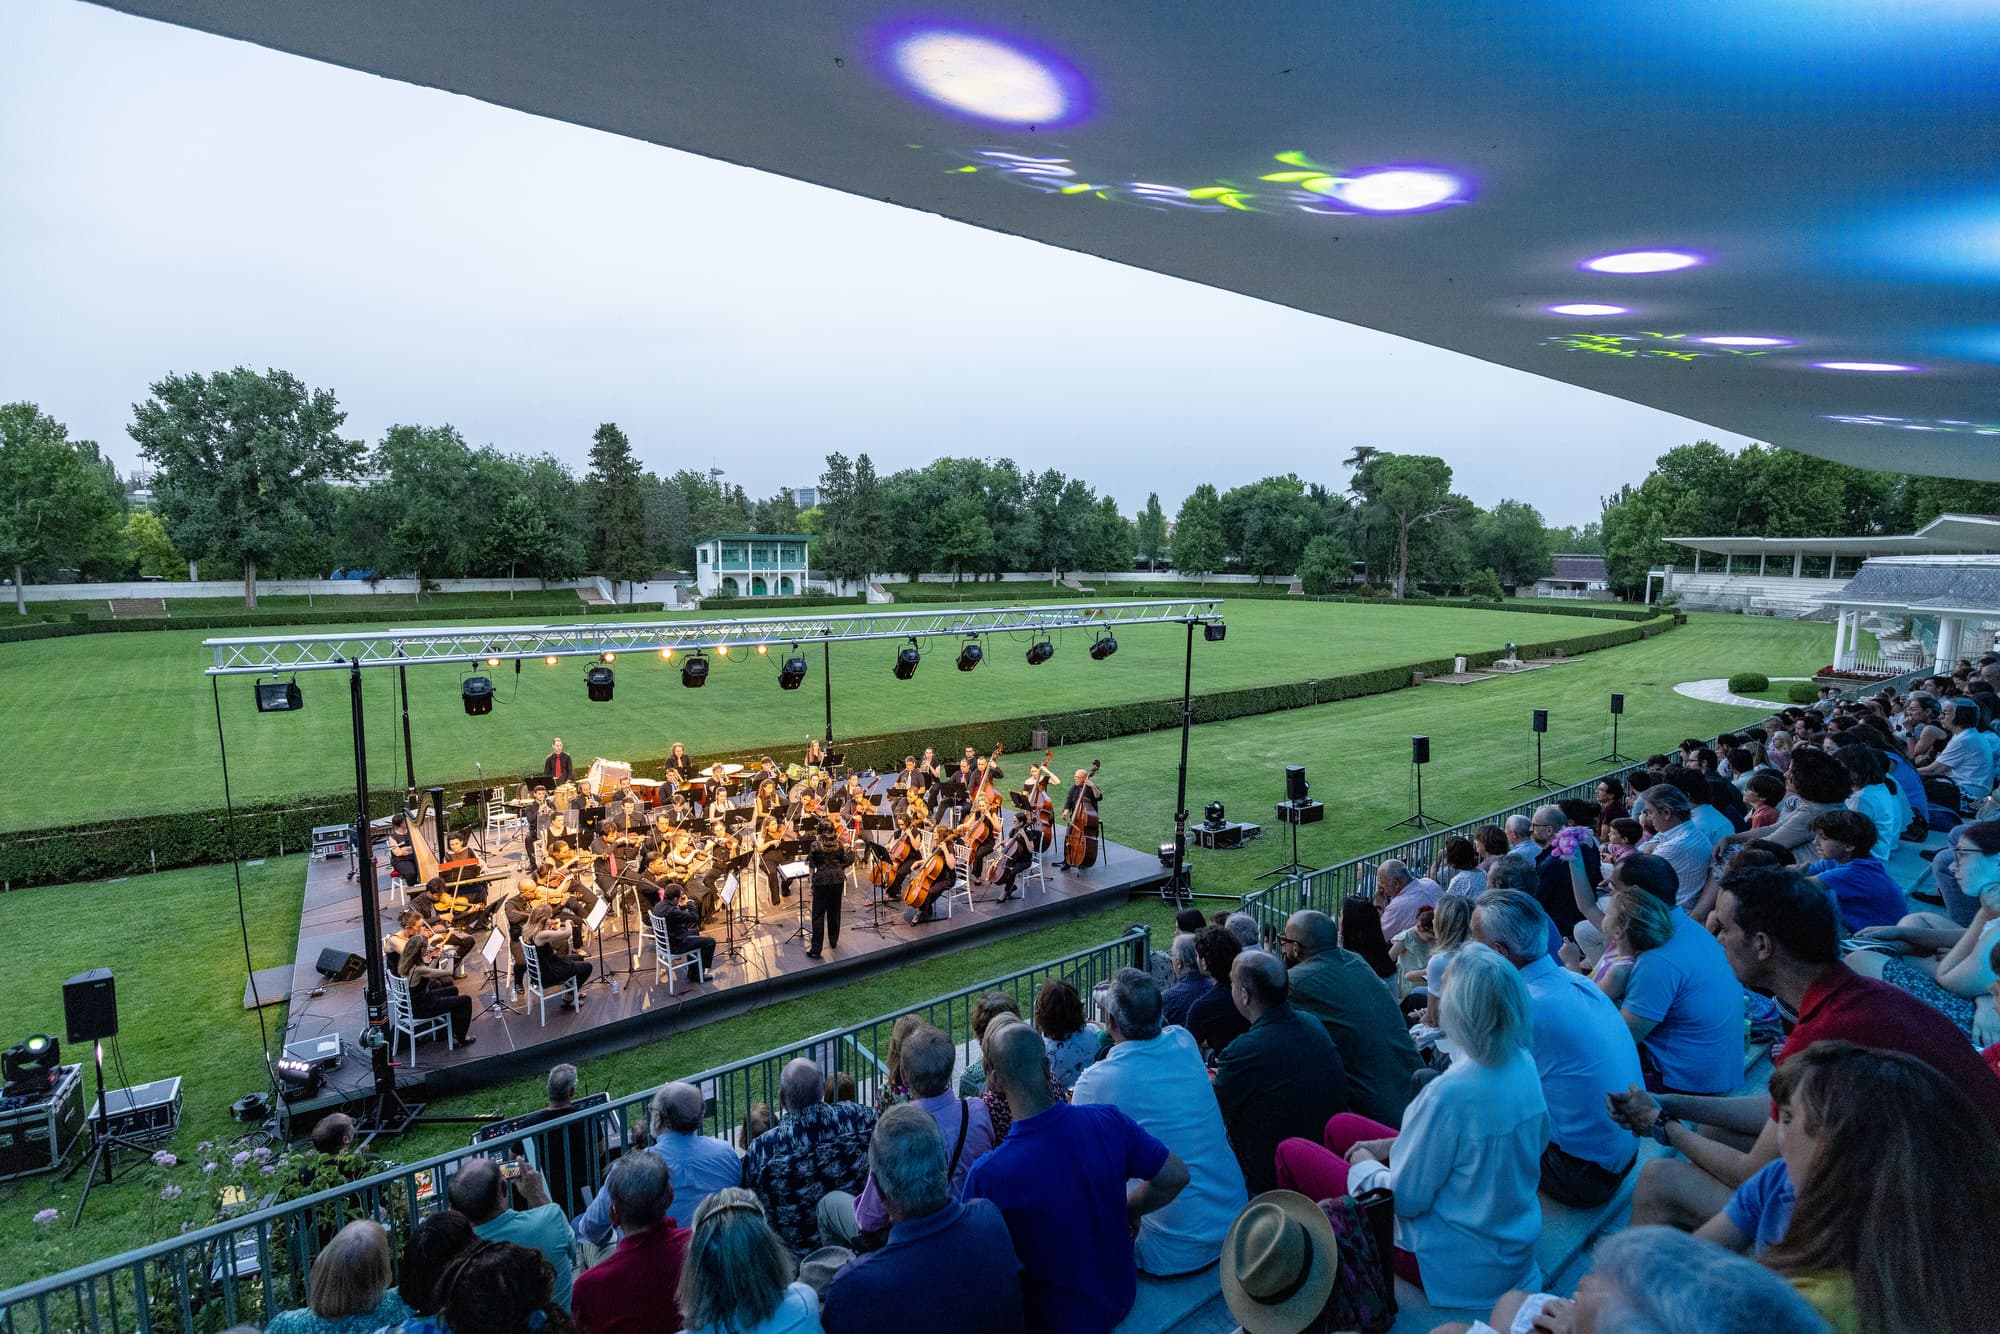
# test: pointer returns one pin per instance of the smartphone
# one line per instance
(510, 1168)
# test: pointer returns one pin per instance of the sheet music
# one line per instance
(496, 945)
(729, 890)
(597, 914)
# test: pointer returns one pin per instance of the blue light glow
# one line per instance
(1587, 308)
(1865, 367)
(1643, 261)
(1745, 340)
(990, 77)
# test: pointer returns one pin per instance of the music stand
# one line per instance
(496, 945)
(594, 923)
(794, 851)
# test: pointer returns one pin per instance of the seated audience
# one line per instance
(1452, 924)
(1781, 935)
(947, 1265)
(1610, 806)
(1521, 839)
(1815, 783)
(497, 1287)
(1400, 893)
(1361, 935)
(633, 1290)
(1947, 964)
(1459, 870)
(1860, 884)
(1684, 1009)
(1190, 983)
(1465, 1166)
(990, 1006)
(815, 1148)
(1072, 1043)
(480, 1192)
(1213, 1019)
(1281, 1079)
(1331, 985)
(1410, 951)
(1634, 922)
(1581, 1048)
(1877, 796)
(738, 1277)
(1965, 763)
(1061, 1182)
(1762, 793)
(1154, 1074)
(433, 1244)
(348, 1290)
(966, 1124)
(701, 1164)
(1678, 841)
(1552, 870)
(1512, 873)
(1243, 926)
(1841, 1235)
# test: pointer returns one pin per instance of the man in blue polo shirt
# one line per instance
(1684, 1008)
(1060, 1180)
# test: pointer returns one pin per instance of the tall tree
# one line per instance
(1266, 523)
(1326, 564)
(1412, 489)
(438, 513)
(1149, 532)
(55, 509)
(616, 509)
(1510, 540)
(153, 554)
(244, 461)
(1109, 546)
(1197, 536)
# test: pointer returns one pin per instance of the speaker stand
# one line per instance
(1293, 869)
(1614, 757)
(1537, 782)
(107, 1144)
(1417, 820)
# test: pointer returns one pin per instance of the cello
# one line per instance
(1080, 844)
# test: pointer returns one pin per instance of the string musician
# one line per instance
(413, 954)
(815, 754)
(1017, 853)
(681, 918)
(544, 933)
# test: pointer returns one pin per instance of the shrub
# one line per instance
(1484, 584)
(1748, 683)
(1801, 692)
(1418, 595)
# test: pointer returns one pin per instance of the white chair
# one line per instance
(532, 958)
(403, 1021)
(960, 891)
(503, 819)
(666, 963)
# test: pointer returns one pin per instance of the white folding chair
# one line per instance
(532, 955)
(960, 891)
(666, 963)
(503, 819)
(403, 1021)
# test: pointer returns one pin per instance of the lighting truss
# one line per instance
(591, 638)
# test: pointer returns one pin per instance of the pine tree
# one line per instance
(615, 503)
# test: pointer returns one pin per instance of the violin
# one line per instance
(1080, 844)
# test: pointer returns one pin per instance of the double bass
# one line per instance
(1080, 844)
(1040, 817)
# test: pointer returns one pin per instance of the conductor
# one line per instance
(829, 859)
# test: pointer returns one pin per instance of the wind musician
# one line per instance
(559, 764)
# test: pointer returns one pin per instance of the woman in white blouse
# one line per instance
(1467, 1162)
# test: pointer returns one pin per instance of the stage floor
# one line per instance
(772, 964)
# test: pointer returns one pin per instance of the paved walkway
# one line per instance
(1715, 690)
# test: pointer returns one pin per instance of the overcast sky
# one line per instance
(171, 201)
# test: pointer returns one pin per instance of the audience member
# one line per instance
(946, 1264)
(1331, 985)
(1400, 894)
(566, 1155)
(1512, 873)
(1213, 1018)
(1190, 984)
(1860, 884)
(1877, 796)
(1582, 1050)
(1072, 1043)
(1702, 814)
(497, 1287)
(1361, 935)
(1490, 840)
(1762, 793)
(1610, 805)
(700, 1164)
(479, 1191)
(1965, 762)
(1244, 927)
(433, 1244)
(1465, 1166)
(991, 1005)
(1677, 841)
(1458, 867)
(966, 1124)
(1520, 839)
(1284, 1077)
(634, 1289)
(1552, 870)
(348, 1289)
(1815, 783)
(1452, 923)
(816, 1147)
(1683, 1007)
(1060, 1181)
(333, 1155)
(738, 1277)
(1154, 1074)
(1410, 951)
(1780, 934)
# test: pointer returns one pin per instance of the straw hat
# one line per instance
(1279, 1263)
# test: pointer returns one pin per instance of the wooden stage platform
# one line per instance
(770, 965)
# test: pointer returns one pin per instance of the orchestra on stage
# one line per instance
(699, 857)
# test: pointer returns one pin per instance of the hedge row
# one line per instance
(237, 620)
(780, 604)
(161, 842)
(1534, 606)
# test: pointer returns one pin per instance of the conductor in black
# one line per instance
(830, 859)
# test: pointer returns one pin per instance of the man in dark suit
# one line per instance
(1281, 1080)
(559, 765)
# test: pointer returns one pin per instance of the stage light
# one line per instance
(1040, 652)
(906, 661)
(694, 672)
(298, 1079)
(666, 655)
(1104, 648)
(762, 649)
(493, 662)
(597, 684)
(477, 694)
(32, 1057)
(1214, 631)
(1399, 190)
(1870, 367)
(1642, 261)
(1213, 814)
(793, 674)
(550, 660)
(607, 657)
(1587, 308)
(985, 76)
(1166, 854)
(279, 696)
(1745, 340)
(970, 656)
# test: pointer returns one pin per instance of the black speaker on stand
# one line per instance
(1541, 725)
(1420, 755)
(1296, 809)
(90, 1010)
(1617, 708)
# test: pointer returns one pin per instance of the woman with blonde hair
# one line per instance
(1634, 922)
(737, 1277)
(348, 1291)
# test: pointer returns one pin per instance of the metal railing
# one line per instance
(248, 1268)
(1326, 888)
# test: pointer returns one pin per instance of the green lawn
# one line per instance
(555, 600)
(172, 939)
(124, 724)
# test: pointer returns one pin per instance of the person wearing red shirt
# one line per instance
(632, 1291)
(1781, 933)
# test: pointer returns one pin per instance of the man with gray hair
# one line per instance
(1190, 984)
(479, 1191)
(1337, 988)
(1678, 840)
(947, 1265)
(966, 1125)
(1520, 839)
(701, 1164)
(1401, 894)
(1242, 926)
(817, 1147)
(636, 1287)
(1283, 1079)
(1155, 1075)
(1552, 875)
(1583, 1051)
